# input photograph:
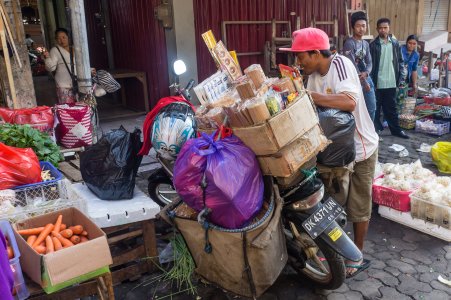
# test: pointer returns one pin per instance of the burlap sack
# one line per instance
(263, 248)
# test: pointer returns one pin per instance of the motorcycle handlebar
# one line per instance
(190, 85)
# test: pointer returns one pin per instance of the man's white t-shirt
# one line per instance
(342, 78)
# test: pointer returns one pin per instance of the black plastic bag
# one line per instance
(109, 167)
(339, 127)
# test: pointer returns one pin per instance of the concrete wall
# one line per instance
(185, 38)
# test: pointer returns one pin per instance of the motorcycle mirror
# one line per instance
(179, 67)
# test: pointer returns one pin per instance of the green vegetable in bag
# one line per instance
(23, 136)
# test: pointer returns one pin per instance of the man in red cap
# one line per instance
(333, 82)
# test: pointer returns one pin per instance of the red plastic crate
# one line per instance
(395, 199)
(442, 101)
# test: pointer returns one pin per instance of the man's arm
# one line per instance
(341, 101)
(348, 51)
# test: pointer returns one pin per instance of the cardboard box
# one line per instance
(68, 266)
(292, 157)
(283, 128)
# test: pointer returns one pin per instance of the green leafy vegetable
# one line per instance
(23, 136)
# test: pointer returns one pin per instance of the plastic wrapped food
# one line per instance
(256, 74)
(258, 110)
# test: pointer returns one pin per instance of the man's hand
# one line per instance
(363, 76)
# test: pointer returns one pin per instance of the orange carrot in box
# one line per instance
(58, 223)
(49, 245)
(84, 233)
(44, 233)
(67, 233)
(83, 239)
(57, 244)
(31, 231)
(76, 229)
(31, 239)
(75, 239)
(63, 226)
(65, 242)
(10, 251)
(40, 249)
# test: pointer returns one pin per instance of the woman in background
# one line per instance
(411, 57)
(59, 60)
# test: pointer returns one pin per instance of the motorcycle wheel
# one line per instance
(309, 270)
(160, 188)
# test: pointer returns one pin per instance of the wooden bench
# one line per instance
(123, 74)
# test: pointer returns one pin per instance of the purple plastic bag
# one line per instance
(234, 190)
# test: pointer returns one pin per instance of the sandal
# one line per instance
(359, 268)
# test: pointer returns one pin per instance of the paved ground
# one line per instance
(405, 262)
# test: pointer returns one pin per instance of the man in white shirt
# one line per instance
(334, 83)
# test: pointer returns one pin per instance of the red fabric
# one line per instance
(40, 118)
(74, 128)
(148, 122)
(308, 39)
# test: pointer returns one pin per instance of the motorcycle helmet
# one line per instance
(172, 127)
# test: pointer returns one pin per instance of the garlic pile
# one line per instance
(437, 190)
(407, 177)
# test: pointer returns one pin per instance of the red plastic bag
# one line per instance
(40, 118)
(18, 166)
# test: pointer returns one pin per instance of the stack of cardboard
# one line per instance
(274, 117)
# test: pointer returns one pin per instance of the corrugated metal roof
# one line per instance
(139, 44)
(436, 13)
(208, 14)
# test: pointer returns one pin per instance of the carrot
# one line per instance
(67, 233)
(76, 229)
(10, 251)
(65, 242)
(42, 243)
(57, 244)
(75, 239)
(83, 239)
(31, 239)
(49, 244)
(58, 223)
(63, 226)
(84, 233)
(44, 233)
(40, 249)
(31, 231)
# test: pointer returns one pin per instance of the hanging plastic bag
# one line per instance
(109, 167)
(339, 127)
(234, 191)
(74, 127)
(40, 118)
(18, 166)
(441, 155)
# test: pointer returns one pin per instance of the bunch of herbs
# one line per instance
(24, 136)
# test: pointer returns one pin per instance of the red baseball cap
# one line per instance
(308, 39)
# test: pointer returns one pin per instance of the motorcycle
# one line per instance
(313, 224)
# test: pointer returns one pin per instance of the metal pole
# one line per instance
(80, 41)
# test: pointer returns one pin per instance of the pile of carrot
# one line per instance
(54, 237)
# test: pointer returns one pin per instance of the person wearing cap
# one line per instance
(358, 51)
(334, 83)
(387, 64)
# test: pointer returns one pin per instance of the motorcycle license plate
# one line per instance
(322, 218)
